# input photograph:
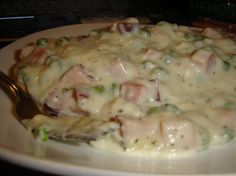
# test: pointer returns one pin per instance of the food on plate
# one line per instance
(135, 88)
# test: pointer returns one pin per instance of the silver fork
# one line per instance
(25, 107)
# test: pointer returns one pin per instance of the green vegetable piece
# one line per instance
(66, 89)
(42, 42)
(62, 41)
(207, 40)
(230, 105)
(115, 88)
(21, 74)
(205, 143)
(148, 64)
(99, 89)
(228, 134)
(204, 138)
(23, 77)
(173, 108)
(41, 134)
(193, 37)
(232, 59)
(145, 32)
(166, 107)
(225, 65)
(167, 59)
(155, 109)
(26, 78)
(190, 37)
(158, 73)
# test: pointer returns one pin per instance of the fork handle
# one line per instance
(9, 86)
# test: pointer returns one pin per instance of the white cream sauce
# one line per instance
(171, 89)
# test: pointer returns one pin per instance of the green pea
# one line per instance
(21, 74)
(66, 89)
(167, 59)
(230, 105)
(42, 42)
(62, 41)
(26, 78)
(115, 89)
(173, 108)
(158, 73)
(228, 134)
(166, 107)
(232, 59)
(225, 65)
(207, 40)
(190, 37)
(145, 32)
(155, 109)
(99, 89)
(148, 64)
(205, 143)
(23, 77)
(204, 138)
(41, 134)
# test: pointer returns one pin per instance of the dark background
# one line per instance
(52, 13)
(22, 17)
(43, 14)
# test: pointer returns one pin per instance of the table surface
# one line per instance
(10, 169)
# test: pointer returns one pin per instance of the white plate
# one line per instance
(18, 146)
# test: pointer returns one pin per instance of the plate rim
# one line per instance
(51, 166)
